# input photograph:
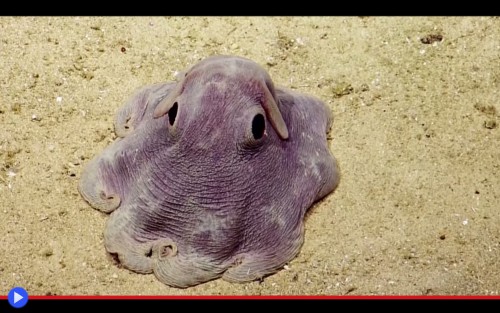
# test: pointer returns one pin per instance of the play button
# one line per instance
(18, 297)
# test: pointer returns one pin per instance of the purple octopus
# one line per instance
(211, 176)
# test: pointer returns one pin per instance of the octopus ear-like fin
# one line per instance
(166, 104)
(270, 105)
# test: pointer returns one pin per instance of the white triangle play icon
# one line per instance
(17, 297)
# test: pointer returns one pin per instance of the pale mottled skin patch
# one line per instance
(212, 175)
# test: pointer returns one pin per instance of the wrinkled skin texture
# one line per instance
(211, 176)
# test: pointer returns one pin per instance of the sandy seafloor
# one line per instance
(416, 135)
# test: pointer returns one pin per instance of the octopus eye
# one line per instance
(258, 126)
(172, 114)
